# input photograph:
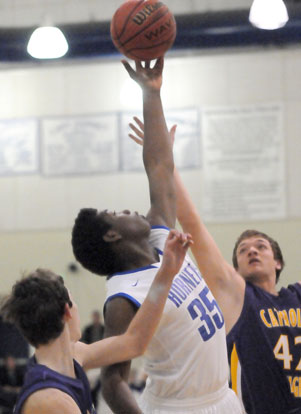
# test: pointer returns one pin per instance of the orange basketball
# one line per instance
(143, 30)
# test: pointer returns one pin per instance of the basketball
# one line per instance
(143, 29)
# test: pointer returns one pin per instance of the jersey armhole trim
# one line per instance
(126, 296)
(160, 227)
(127, 272)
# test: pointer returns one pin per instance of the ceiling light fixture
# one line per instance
(268, 14)
(47, 42)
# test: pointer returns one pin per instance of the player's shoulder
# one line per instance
(158, 236)
(119, 311)
(49, 401)
(159, 229)
(294, 286)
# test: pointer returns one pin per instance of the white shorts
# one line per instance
(224, 401)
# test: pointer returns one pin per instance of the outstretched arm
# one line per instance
(223, 280)
(134, 341)
(157, 149)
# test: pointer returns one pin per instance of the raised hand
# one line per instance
(139, 131)
(150, 79)
(175, 249)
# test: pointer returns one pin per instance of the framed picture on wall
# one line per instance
(19, 153)
(187, 144)
(244, 163)
(79, 145)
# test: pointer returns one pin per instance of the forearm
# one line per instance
(146, 320)
(207, 254)
(157, 151)
(157, 147)
(119, 396)
(187, 213)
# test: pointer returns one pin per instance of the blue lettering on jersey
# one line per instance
(201, 307)
(184, 284)
(191, 273)
(208, 312)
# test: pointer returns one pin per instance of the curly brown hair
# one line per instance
(36, 306)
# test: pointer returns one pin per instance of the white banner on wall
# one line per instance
(187, 141)
(187, 146)
(80, 145)
(244, 171)
(19, 146)
(130, 152)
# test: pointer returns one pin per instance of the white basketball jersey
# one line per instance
(187, 357)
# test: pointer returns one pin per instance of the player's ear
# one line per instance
(67, 312)
(278, 265)
(111, 236)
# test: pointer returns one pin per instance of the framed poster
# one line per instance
(187, 142)
(244, 168)
(80, 145)
(19, 151)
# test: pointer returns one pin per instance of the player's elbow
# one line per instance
(140, 347)
(136, 344)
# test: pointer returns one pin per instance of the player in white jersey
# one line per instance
(187, 360)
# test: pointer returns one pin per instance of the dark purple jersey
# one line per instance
(264, 350)
(39, 377)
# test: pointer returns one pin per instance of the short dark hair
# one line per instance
(274, 245)
(89, 247)
(36, 306)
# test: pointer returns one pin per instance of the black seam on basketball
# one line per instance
(150, 47)
(145, 27)
(126, 22)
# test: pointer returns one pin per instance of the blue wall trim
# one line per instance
(220, 29)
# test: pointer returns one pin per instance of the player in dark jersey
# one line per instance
(263, 325)
(44, 311)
